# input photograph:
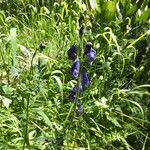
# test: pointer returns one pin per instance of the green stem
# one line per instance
(79, 78)
(27, 115)
(26, 136)
(138, 39)
(3, 60)
(74, 105)
(4, 66)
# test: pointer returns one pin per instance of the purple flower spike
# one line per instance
(75, 89)
(72, 52)
(72, 95)
(85, 80)
(91, 55)
(75, 68)
(80, 110)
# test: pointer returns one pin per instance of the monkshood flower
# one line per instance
(77, 72)
(72, 95)
(75, 68)
(88, 47)
(84, 84)
(90, 53)
(85, 80)
(72, 52)
(91, 56)
(80, 109)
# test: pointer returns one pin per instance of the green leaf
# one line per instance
(14, 72)
(108, 10)
(45, 117)
(44, 10)
(8, 90)
(60, 85)
(123, 2)
(32, 134)
(6, 101)
(137, 104)
(131, 11)
(12, 37)
(144, 17)
(113, 119)
(93, 4)
(24, 51)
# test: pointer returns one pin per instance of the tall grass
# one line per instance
(35, 111)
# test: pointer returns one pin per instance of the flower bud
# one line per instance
(72, 52)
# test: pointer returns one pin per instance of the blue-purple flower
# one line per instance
(72, 95)
(85, 80)
(90, 53)
(72, 52)
(84, 84)
(88, 47)
(75, 68)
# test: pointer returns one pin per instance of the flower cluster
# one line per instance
(78, 70)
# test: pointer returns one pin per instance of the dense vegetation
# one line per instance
(36, 111)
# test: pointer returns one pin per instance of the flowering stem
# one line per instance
(26, 132)
(79, 78)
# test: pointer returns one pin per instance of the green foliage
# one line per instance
(35, 111)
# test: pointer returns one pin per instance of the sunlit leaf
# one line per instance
(59, 84)
(45, 118)
(108, 10)
(93, 4)
(6, 102)
(144, 17)
(137, 104)
(113, 119)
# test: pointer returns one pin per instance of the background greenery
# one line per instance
(35, 112)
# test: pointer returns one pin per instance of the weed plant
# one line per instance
(112, 112)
